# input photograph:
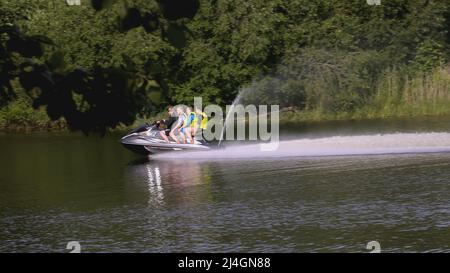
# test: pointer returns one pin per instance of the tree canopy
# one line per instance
(105, 62)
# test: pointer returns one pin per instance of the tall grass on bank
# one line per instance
(424, 94)
(396, 95)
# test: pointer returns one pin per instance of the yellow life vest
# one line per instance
(194, 121)
(186, 118)
(203, 123)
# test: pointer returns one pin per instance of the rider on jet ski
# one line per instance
(179, 123)
(152, 139)
(166, 124)
(187, 127)
(189, 124)
(199, 124)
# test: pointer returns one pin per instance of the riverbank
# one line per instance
(41, 124)
(29, 121)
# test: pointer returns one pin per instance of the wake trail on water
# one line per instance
(396, 143)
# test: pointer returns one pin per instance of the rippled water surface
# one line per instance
(331, 191)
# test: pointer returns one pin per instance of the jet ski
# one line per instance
(145, 140)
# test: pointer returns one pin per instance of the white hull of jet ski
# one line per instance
(148, 142)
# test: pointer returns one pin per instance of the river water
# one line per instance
(330, 187)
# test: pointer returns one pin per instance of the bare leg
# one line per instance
(163, 135)
(172, 135)
(194, 132)
(188, 134)
(182, 135)
(192, 135)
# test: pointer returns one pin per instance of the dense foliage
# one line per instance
(106, 62)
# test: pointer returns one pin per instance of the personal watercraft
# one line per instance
(146, 140)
